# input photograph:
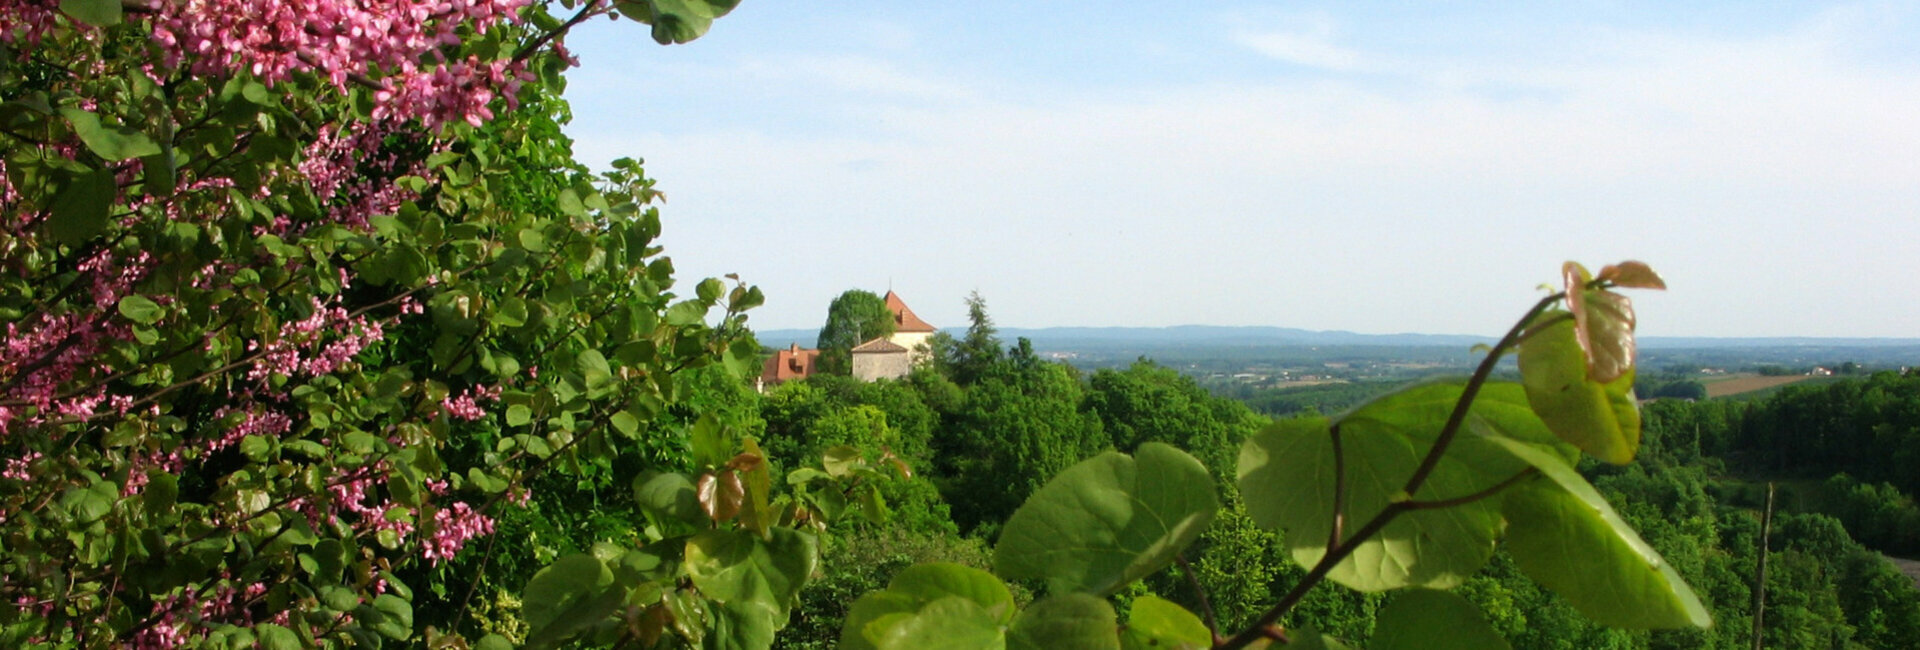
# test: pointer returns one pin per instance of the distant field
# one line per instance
(1909, 567)
(1745, 383)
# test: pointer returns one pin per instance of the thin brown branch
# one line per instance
(1206, 608)
(1465, 403)
(1339, 489)
(1470, 498)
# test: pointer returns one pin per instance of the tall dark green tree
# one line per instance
(853, 318)
(967, 359)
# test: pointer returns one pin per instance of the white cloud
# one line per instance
(1312, 45)
(1768, 178)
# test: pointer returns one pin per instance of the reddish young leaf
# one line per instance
(1632, 274)
(1603, 322)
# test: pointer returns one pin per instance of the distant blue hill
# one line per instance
(1214, 335)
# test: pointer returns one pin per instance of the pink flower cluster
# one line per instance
(350, 498)
(42, 357)
(139, 473)
(396, 41)
(354, 166)
(284, 355)
(27, 20)
(17, 467)
(176, 616)
(464, 407)
(452, 528)
(256, 423)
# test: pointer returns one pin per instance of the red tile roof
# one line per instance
(789, 364)
(878, 345)
(903, 318)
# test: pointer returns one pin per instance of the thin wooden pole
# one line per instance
(1760, 572)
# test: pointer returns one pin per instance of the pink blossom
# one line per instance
(465, 407)
(452, 528)
(17, 467)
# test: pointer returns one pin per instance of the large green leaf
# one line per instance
(1563, 534)
(82, 208)
(1108, 520)
(98, 13)
(1602, 419)
(574, 593)
(114, 143)
(677, 21)
(735, 566)
(1424, 619)
(874, 616)
(934, 580)
(951, 623)
(1072, 621)
(1307, 638)
(1287, 474)
(1155, 623)
(745, 625)
(670, 496)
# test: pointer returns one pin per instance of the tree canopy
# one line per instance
(854, 317)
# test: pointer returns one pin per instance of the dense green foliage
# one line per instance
(296, 358)
(854, 317)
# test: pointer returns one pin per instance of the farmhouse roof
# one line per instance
(903, 318)
(878, 346)
(789, 364)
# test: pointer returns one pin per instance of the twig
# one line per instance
(1206, 608)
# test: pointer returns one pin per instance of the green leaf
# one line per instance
(1307, 638)
(274, 637)
(81, 209)
(731, 566)
(1108, 520)
(745, 625)
(1065, 622)
(569, 203)
(888, 616)
(670, 496)
(951, 623)
(626, 424)
(398, 622)
(839, 460)
(935, 580)
(712, 447)
(98, 13)
(709, 290)
(681, 21)
(594, 369)
(113, 143)
(685, 313)
(1564, 535)
(1287, 476)
(140, 309)
(574, 593)
(1424, 619)
(1156, 623)
(1602, 419)
(519, 415)
(510, 312)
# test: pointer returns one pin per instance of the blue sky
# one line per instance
(1367, 166)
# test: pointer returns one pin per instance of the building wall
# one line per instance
(912, 341)
(868, 366)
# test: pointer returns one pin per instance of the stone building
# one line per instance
(881, 359)
(890, 357)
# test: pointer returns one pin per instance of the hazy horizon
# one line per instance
(1368, 167)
